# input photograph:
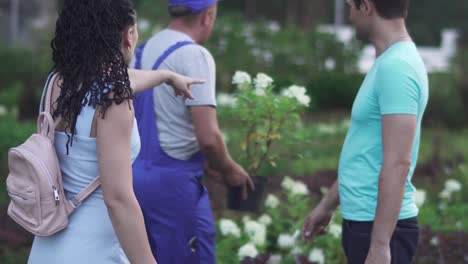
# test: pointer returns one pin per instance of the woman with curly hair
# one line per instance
(96, 134)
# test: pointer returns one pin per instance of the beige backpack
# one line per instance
(34, 183)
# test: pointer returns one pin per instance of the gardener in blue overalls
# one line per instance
(181, 140)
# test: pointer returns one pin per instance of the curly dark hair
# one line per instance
(87, 55)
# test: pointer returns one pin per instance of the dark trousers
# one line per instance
(357, 237)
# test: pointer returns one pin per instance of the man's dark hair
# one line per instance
(179, 11)
(184, 13)
(389, 9)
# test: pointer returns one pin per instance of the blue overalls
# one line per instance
(175, 204)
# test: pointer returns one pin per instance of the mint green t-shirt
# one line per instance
(396, 84)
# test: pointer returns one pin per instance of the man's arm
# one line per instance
(317, 221)
(220, 164)
(209, 137)
(397, 137)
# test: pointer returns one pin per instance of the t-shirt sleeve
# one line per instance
(200, 65)
(398, 88)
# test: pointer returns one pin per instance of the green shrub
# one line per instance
(445, 107)
(22, 77)
(334, 90)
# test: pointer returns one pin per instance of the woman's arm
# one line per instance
(115, 169)
(141, 80)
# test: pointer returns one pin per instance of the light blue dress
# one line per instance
(90, 237)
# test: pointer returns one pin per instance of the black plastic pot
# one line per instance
(253, 203)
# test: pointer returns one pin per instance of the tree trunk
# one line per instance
(292, 7)
(250, 9)
(309, 13)
(14, 21)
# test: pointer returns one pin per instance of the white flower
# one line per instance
(286, 241)
(245, 219)
(267, 56)
(259, 92)
(330, 64)
(435, 241)
(143, 24)
(3, 110)
(247, 250)
(256, 232)
(227, 100)
(241, 79)
(335, 230)
(287, 183)
(452, 185)
(294, 187)
(299, 188)
(419, 197)
(265, 220)
(296, 250)
(275, 259)
(299, 93)
(445, 194)
(229, 227)
(327, 129)
(262, 81)
(316, 255)
(271, 201)
(274, 26)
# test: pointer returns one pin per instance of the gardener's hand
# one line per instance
(213, 174)
(316, 223)
(235, 175)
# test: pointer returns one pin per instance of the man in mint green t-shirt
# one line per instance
(381, 148)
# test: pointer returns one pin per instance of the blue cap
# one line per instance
(195, 6)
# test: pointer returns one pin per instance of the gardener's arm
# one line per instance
(398, 97)
(220, 164)
(203, 110)
(210, 139)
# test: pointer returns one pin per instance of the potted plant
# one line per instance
(262, 116)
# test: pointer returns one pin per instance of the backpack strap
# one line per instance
(48, 95)
(46, 99)
(45, 120)
(76, 200)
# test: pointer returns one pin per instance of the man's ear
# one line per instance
(367, 6)
(207, 16)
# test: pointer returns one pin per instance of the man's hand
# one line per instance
(378, 255)
(213, 174)
(316, 223)
(234, 176)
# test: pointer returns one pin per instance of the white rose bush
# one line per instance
(275, 233)
(263, 114)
